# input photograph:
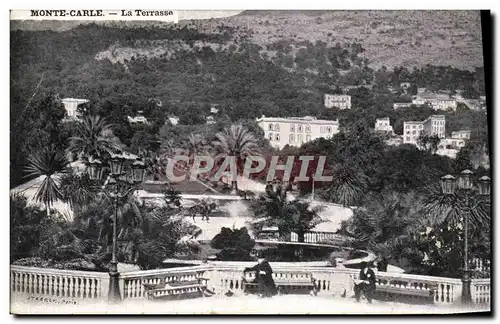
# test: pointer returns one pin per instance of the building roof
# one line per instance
(74, 99)
(309, 119)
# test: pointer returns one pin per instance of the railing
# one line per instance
(481, 291)
(446, 290)
(66, 284)
(318, 237)
(224, 276)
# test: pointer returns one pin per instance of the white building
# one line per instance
(71, 106)
(394, 141)
(462, 134)
(139, 119)
(296, 131)
(383, 125)
(452, 143)
(398, 105)
(339, 101)
(174, 120)
(436, 101)
(434, 125)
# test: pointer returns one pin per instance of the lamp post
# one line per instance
(123, 182)
(449, 185)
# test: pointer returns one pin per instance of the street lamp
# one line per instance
(449, 186)
(123, 183)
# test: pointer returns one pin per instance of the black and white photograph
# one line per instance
(242, 162)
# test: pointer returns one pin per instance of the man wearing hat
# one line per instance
(366, 282)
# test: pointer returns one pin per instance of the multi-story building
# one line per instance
(295, 131)
(462, 134)
(432, 126)
(436, 101)
(339, 101)
(383, 125)
(71, 106)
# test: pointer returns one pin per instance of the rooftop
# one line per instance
(291, 119)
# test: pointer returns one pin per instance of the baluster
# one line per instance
(66, 286)
(133, 288)
(71, 287)
(85, 288)
(12, 281)
(46, 285)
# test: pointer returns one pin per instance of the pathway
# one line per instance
(291, 304)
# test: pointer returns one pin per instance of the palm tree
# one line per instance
(77, 189)
(443, 208)
(275, 209)
(237, 142)
(90, 138)
(48, 164)
(348, 186)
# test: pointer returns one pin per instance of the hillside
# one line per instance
(390, 38)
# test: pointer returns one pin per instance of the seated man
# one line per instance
(264, 277)
(366, 282)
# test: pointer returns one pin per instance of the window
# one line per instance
(277, 137)
(291, 138)
(328, 129)
(292, 128)
(277, 127)
(299, 128)
(299, 138)
(414, 132)
(270, 136)
(308, 129)
(413, 126)
(270, 127)
(407, 132)
(308, 138)
(407, 138)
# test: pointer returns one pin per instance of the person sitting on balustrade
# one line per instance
(264, 277)
(366, 282)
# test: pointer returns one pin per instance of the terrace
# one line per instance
(36, 290)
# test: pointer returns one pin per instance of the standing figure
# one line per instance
(264, 277)
(366, 283)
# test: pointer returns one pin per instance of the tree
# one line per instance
(239, 143)
(275, 209)
(77, 189)
(26, 224)
(348, 186)
(236, 244)
(49, 165)
(90, 140)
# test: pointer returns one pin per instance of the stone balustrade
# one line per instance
(224, 276)
(481, 291)
(54, 283)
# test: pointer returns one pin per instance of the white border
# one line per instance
(211, 5)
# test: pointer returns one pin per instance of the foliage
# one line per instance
(236, 142)
(49, 164)
(236, 244)
(89, 140)
(274, 208)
